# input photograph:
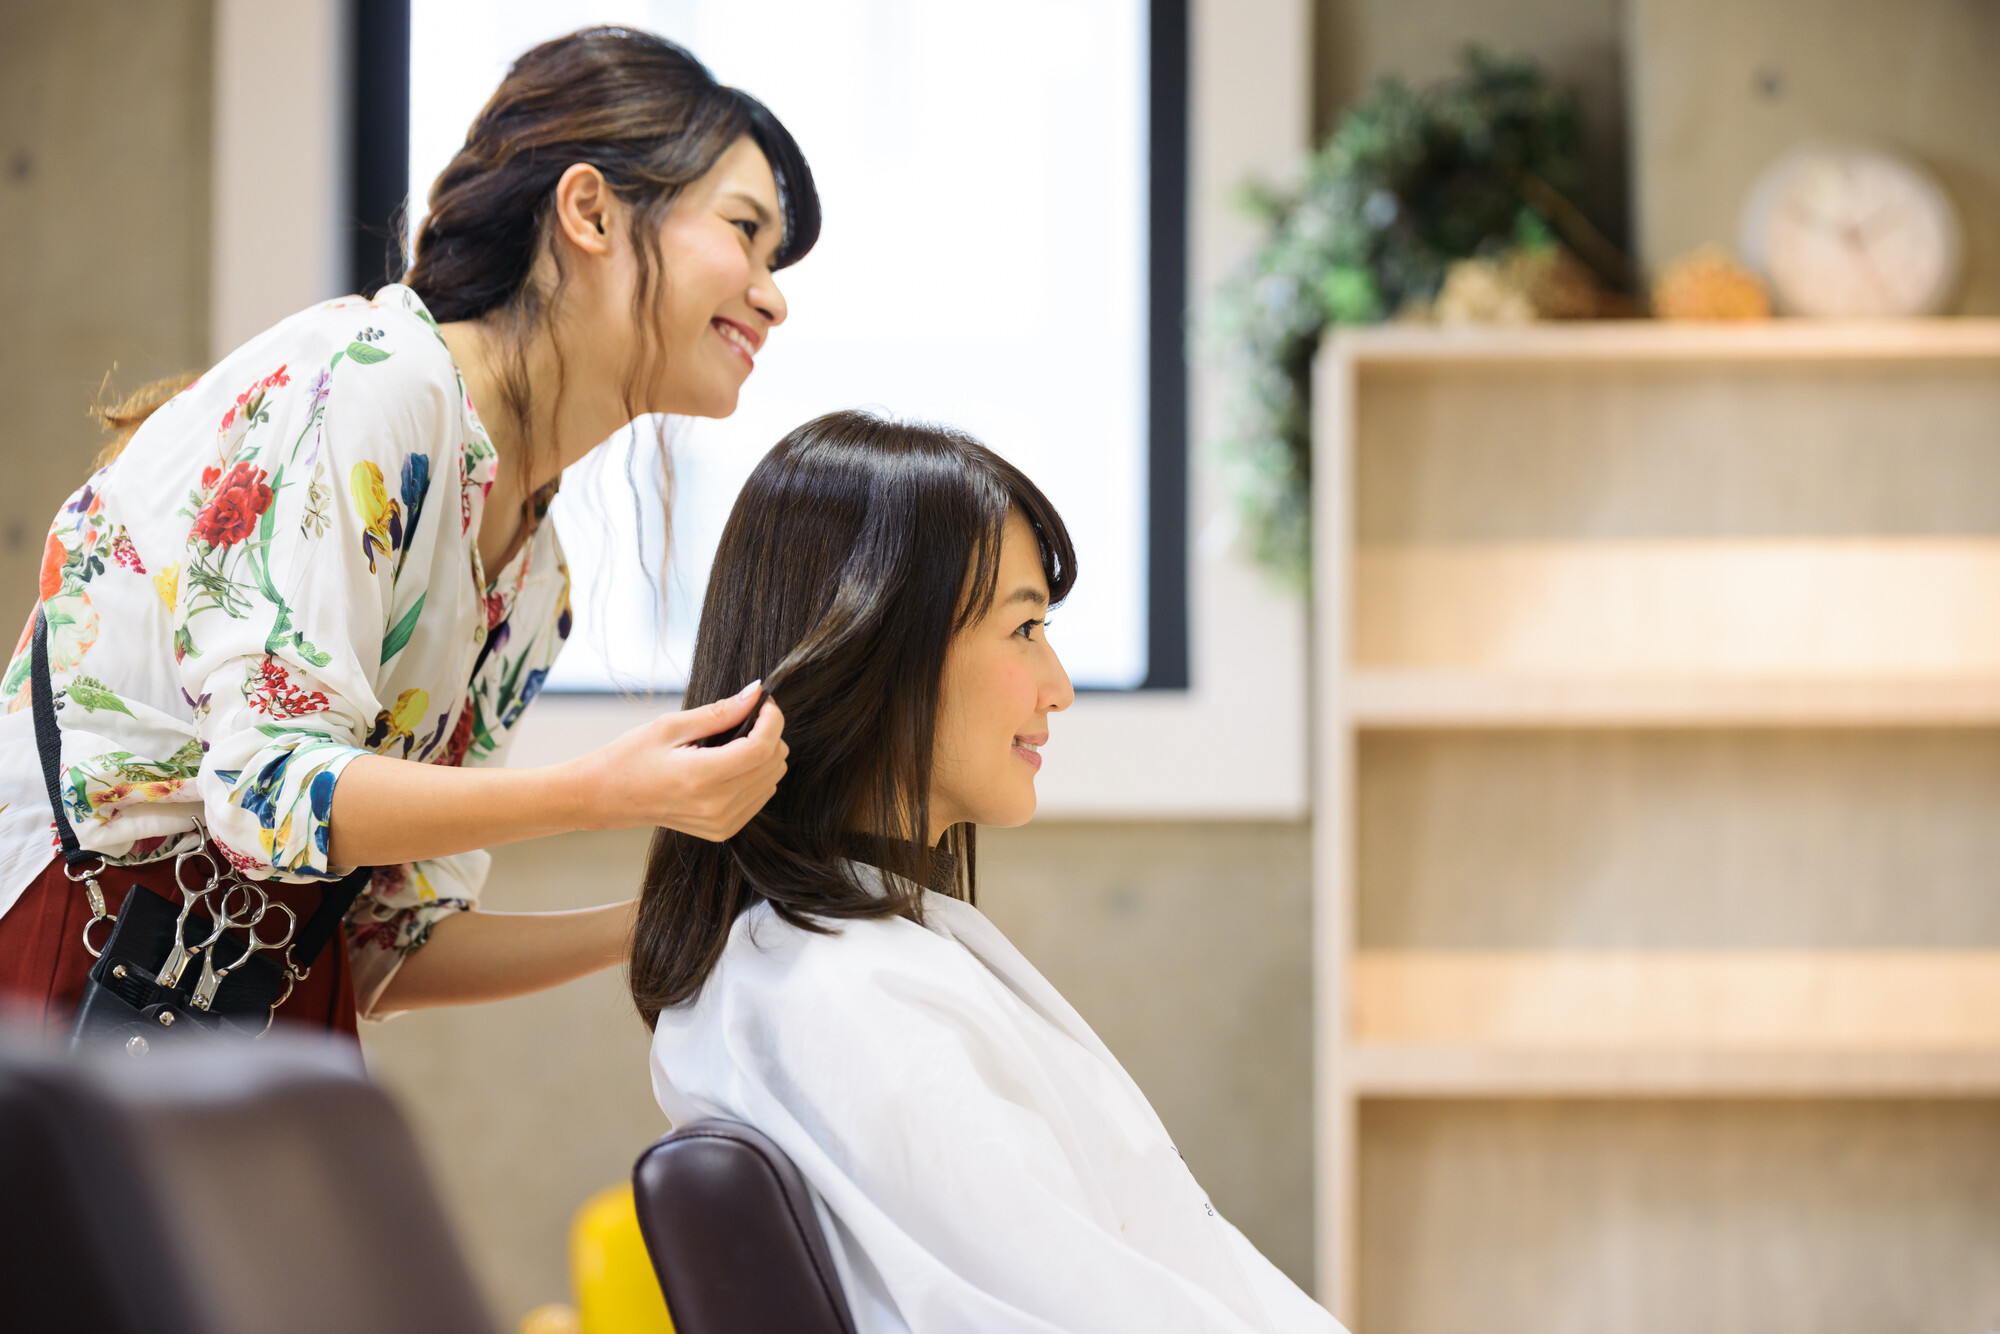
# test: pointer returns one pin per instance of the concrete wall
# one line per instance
(1184, 945)
(104, 203)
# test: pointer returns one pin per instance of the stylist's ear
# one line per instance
(585, 209)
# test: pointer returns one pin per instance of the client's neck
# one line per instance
(903, 857)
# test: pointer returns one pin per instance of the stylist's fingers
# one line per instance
(739, 779)
(757, 749)
(769, 733)
(720, 716)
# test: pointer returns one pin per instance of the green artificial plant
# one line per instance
(1408, 183)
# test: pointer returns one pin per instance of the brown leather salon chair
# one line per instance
(730, 1225)
(224, 1190)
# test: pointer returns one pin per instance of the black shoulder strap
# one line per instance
(48, 737)
(334, 902)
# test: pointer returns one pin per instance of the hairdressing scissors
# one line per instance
(178, 956)
(247, 922)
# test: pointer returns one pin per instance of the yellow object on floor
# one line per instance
(611, 1276)
(553, 1318)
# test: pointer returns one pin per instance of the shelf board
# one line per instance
(1894, 607)
(1828, 1001)
(1433, 699)
(1489, 1071)
(1419, 345)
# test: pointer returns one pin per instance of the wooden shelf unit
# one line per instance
(1393, 1070)
(1484, 699)
(1637, 527)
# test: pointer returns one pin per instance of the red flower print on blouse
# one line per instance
(237, 859)
(272, 692)
(456, 749)
(250, 402)
(53, 556)
(125, 553)
(209, 477)
(232, 511)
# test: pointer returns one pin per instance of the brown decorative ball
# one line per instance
(1709, 285)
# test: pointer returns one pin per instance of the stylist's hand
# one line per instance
(658, 775)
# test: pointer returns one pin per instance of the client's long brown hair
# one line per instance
(858, 547)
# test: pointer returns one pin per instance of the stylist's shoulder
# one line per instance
(395, 445)
(387, 384)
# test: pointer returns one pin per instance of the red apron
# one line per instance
(43, 964)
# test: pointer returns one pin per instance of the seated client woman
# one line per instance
(983, 1163)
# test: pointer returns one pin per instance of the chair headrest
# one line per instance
(734, 1236)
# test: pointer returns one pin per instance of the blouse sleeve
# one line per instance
(306, 558)
(916, 1119)
(403, 904)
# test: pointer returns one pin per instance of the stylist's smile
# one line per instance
(1029, 748)
(739, 336)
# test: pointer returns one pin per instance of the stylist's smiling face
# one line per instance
(1001, 683)
(718, 299)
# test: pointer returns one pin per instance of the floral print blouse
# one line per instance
(280, 573)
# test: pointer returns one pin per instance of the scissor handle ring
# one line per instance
(225, 919)
(214, 872)
(282, 942)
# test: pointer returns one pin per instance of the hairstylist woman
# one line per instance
(299, 616)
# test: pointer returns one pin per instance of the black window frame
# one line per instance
(378, 186)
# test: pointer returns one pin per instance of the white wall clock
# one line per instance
(1855, 232)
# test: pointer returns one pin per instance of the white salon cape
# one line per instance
(981, 1162)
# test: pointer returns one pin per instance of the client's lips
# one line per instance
(1029, 747)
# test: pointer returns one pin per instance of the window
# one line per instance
(1004, 189)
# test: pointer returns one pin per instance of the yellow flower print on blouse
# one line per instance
(381, 517)
(399, 722)
(167, 583)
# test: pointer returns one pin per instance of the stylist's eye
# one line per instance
(749, 226)
(1026, 629)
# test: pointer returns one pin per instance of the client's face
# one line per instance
(1001, 682)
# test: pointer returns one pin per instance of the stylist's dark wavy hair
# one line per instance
(640, 109)
(856, 550)
(637, 107)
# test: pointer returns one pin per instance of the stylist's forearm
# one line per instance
(473, 957)
(387, 811)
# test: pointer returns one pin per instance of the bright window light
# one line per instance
(983, 264)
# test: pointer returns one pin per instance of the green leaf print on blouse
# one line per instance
(393, 642)
(95, 697)
(362, 351)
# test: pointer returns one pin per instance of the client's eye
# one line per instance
(1026, 629)
(749, 226)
